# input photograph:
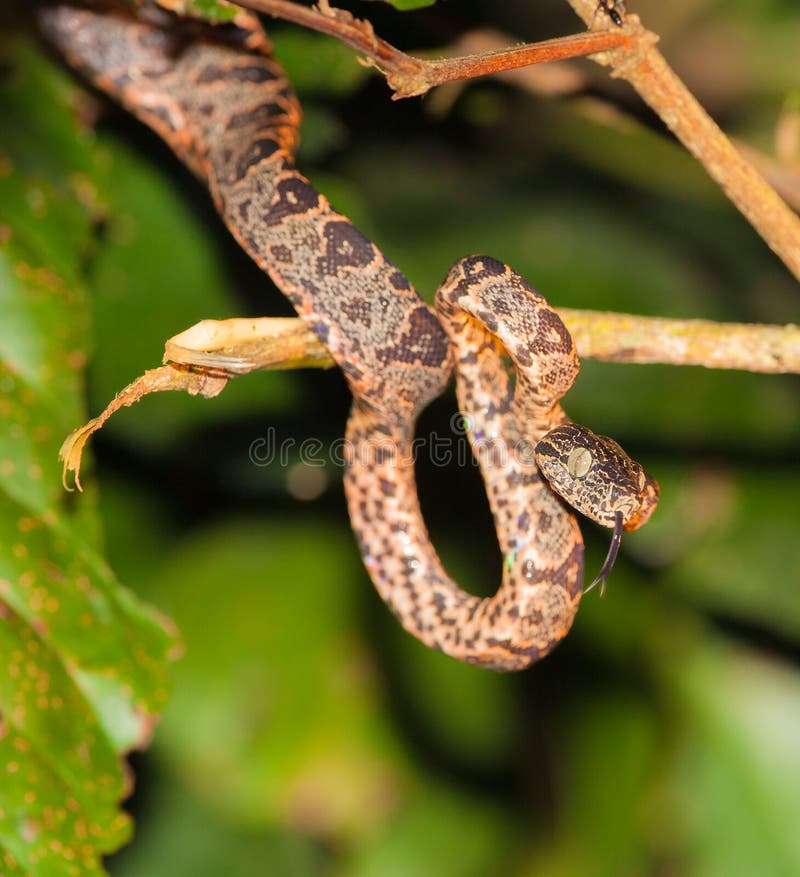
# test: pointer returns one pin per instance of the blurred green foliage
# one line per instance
(306, 733)
(84, 667)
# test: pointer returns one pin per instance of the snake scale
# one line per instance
(217, 97)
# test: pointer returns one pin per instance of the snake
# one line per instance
(219, 99)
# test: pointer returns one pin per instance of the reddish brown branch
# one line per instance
(409, 76)
(470, 66)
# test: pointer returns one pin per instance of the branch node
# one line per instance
(627, 59)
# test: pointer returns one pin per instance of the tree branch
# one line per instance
(626, 338)
(241, 345)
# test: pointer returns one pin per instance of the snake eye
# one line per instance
(579, 462)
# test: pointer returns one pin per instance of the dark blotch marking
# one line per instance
(249, 73)
(281, 253)
(531, 652)
(285, 91)
(212, 73)
(358, 311)
(515, 479)
(256, 117)
(162, 114)
(524, 290)
(310, 287)
(120, 81)
(488, 319)
(481, 267)
(159, 40)
(522, 356)
(345, 247)
(387, 487)
(293, 197)
(424, 341)
(547, 448)
(399, 281)
(383, 455)
(351, 370)
(544, 522)
(501, 305)
(244, 211)
(551, 335)
(295, 298)
(256, 152)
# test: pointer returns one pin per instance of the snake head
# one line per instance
(596, 477)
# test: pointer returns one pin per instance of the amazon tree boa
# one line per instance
(224, 105)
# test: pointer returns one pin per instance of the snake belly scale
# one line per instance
(216, 96)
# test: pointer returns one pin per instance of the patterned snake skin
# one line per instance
(225, 107)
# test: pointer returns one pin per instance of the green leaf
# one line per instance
(409, 4)
(56, 754)
(212, 10)
(85, 663)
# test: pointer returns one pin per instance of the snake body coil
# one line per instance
(225, 107)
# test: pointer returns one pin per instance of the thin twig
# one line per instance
(657, 84)
(408, 76)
